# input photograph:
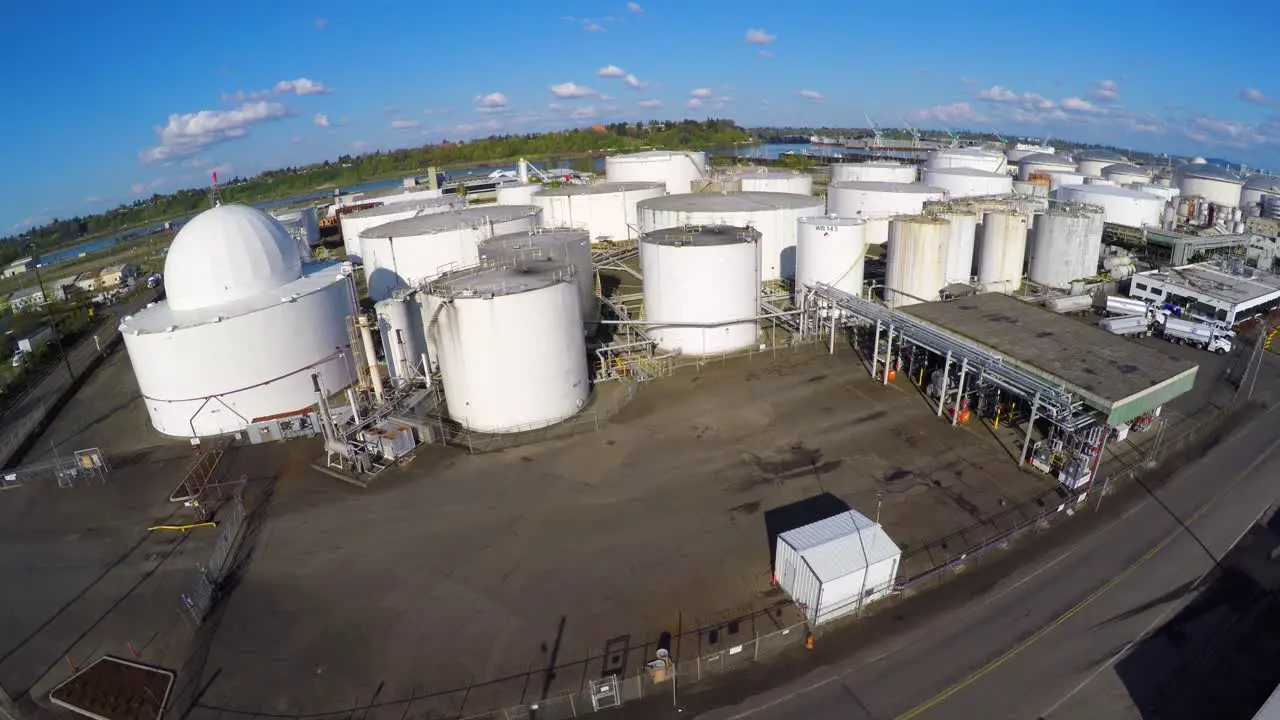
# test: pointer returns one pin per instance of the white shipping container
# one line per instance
(836, 566)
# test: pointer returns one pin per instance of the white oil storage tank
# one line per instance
(605, 210)
(1164, 193)
(916, 268)
(831, 250)
(1214, 183)
(1059, 178)
(1044, 163)
(509, 345)
(702, 288)
(400, 325)
(1002, 248)
(405, 253)
(1121, 206)
(1064, 246)
(962, 237)
(353, 224)
(976, 158)
(516, 193)
(677, 170)
(800, 183)
(302, 223)
(1255, 187)
(566, 246)
(876, 202)
(960, 182)
(773, 214)
(1092, 162)
(875, 171)
(1125, 173)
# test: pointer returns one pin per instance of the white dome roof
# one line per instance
(229, 253)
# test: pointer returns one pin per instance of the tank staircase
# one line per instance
(616, 256)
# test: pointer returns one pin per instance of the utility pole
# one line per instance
(44, 302)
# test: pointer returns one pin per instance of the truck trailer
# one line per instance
(1198, 335)
(1131, 325)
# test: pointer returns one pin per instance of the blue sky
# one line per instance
(144, 96)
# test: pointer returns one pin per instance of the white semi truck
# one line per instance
(1132, 325)
(1195, 334)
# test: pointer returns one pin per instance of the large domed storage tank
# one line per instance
(516, 193)
(509, 345)
(243, 328)
(1122, 206)
(875, 171)
(799, 183)
(567, 246)
(831, 250)
(876, 202)
(1214, 183)
(1091, 162)
(1002, 248)
(353, 224)
(963, 232)
(773, 214)
(705, 281)
(677, 170)
(960, 182)
(605, 210)
(916, 267)
(1044, 163)
(1124, 173)
(1064, 246)
(402, 254)
(400, 325)
(975, 158)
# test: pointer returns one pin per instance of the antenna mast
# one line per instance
(215, 197)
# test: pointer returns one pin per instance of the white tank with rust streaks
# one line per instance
(960, 244)
(916, 267)
(1063, 248)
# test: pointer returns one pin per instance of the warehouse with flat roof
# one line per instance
(1215, 291)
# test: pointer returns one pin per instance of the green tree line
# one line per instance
(355, 169)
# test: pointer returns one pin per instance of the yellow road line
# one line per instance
(1009, 654)
(182, 528)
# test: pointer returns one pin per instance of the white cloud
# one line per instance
(650, 103)
(593, 27)
(968, 81)
(1227, 133)
(321, 119)
(1256, 97)
(635, 8)
(765, 102)
(634, 82)
(144, 188)
(760, 37)
(359, 145)
(611, 71)
(222, 169)
(402, 124)
(693, 104)
(1038, 116)
(586, 111)
(188, 133)
(301, 86)
(494, 102)
(813, 95)
(1000, 94)
(607, 98)
(432, 112)
(319, 23)
(1080, 105)
(1105, 91)
(572, 90)
(701, 93)
(475, 128)
(948, 114)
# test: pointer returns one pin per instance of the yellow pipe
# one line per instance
(920, 382)
(182, 528)
(997, 424)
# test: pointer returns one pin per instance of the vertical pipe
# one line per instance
(426, 371)
(875, 351)
(955, 411)
(375, 372)
(942, 391)
(888, 355)
(831, 349)
(355, 408)
(1031, 426)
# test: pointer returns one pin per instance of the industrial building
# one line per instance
(246, 333)
(607, 210)
(26, 299)
(775, 215)
(19, 266)
(836, 566)
(1227, 291)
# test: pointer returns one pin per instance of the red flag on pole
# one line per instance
(215, 177)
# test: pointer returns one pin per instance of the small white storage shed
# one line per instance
(835, 566)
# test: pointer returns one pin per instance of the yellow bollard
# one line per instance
(997, 423)
(808, 641)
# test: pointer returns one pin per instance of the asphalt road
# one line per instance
(1039, 639)
(21, 417)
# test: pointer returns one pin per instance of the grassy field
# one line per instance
(146, 253)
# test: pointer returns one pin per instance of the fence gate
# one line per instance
(605, 693)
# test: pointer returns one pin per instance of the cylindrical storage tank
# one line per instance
(702, 288)
(1069, 303)
(963, 235)
(1024, 187)
(798, 183)
(1097, 181)
(916, 267)
(1120, 205)
(565, 246)
(1255, 186)
(775, 215)
(1214, 183)
(510, 348)
(1058, 179)
(607, 211)
(676, 169)
(831, 250)
(975, 158)
(873, 172)
(1015, 154)
(302, 223)
(1002, 248)
(353, 224)
(1092, 162)
(516, 193)
(1164, 193)
(400, 325)
(405, 253)
(1044, 162)
(876, 202)
(1062, 249)
(1124, 173)
(961, 182)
